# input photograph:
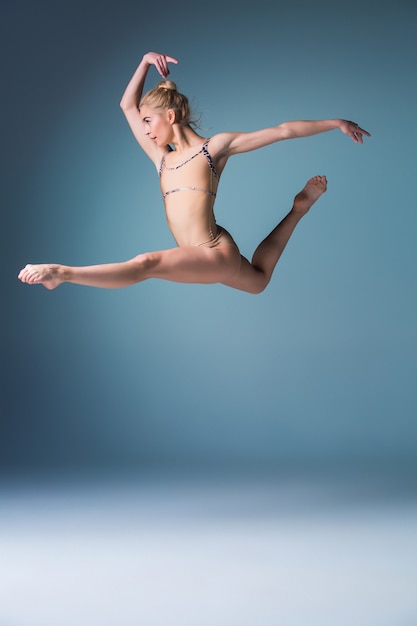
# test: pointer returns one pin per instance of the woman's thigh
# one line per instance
(191, 264)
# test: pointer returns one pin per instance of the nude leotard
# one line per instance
(210, 164)
(219, 235)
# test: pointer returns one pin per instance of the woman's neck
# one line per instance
(185, 138)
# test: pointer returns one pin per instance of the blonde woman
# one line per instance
(189, 167)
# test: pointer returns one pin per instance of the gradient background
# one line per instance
(314, 380)
(320, 367)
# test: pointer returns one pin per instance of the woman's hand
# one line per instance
(353, 130)
(160, 61)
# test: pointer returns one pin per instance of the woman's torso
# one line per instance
(189, 188)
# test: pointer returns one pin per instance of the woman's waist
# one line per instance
(195, 233)
(189, 216)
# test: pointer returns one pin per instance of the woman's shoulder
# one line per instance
(219, 142)
(220, 146)
(219, 139)
(217, 146)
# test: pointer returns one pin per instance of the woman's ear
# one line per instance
(171, 116)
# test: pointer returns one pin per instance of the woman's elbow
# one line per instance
(285, 131)
(127, 105)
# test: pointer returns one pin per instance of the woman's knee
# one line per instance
(143, 264)
(259, 285)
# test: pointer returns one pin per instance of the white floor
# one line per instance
(267, 552)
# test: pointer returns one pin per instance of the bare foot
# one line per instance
(50, 276)
(305, 199)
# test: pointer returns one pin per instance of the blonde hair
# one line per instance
(166, 96)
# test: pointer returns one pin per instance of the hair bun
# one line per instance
(168, 85)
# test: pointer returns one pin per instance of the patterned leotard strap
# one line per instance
(207, 154)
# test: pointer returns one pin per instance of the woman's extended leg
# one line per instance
(185, 265)
(254, 277)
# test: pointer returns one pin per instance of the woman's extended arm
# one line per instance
(235, 143)
(307, 128)
(133, 94)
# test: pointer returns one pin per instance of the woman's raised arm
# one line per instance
(133, 94)
(134, 90)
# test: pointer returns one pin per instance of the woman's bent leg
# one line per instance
(221, 264)
(185, 265)
(254, 277)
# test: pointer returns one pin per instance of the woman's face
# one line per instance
(157, 125)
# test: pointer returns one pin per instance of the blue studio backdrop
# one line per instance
(321, 366)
